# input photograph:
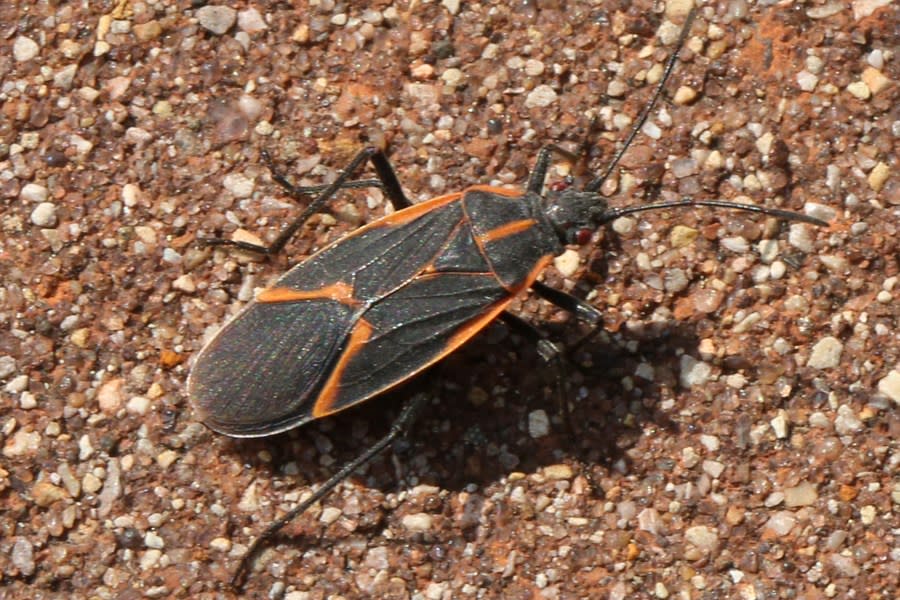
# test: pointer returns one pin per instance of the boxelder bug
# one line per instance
(378, 306)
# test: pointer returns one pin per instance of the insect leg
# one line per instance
(551, 354)
(539, 172)
(387, 180)
(581, 309)
(399, 427)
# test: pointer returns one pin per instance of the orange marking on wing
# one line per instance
(476, 325)
(413, 212)
(511, 228)
(508, 192)
(327, 397)
(339, 292)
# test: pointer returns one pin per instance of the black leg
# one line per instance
(551, 354)
(400, 426)
(539, 172)
(387, 180)
(581, 309)
(300, 192)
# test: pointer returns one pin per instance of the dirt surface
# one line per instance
(737, 413)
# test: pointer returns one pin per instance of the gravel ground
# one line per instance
(737, 413)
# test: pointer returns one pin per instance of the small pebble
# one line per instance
(152, 540)
(704, 538)
(803, 494)
(44, 215)
(616, 88)
(846, 422)
(801, 238)
(33, 192)
(774, 499)
(239, 185)
(90, 483)
(890, 386)
(165, 458)
(138, 405)
(540, 97)
(567, 262)
(710, 442)
(454, 78)
(845, 566)
(780, 523)
(878, 176)
(22, 443)
(736, 244)
(250, 21)
(538, 424)
(689, 458)
(45, 493)
(558, 472)
(624, 225)
(826, 354)
(860, 90)
(185, 283)
(330, 514)
(25, 48)
(17, 384)
(110, 395)
(150, 559)
(22, 556)
(807, 81)
(684, 95)
(417, 522)
(874, 80)
(8, 366)
(220, 544)
(694, 372)
(713, 468)
(649, 520)
(682, 236)
(780, 425)
(216, 19)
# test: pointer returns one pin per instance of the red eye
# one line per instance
(583, 236)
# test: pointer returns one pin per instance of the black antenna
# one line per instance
(596, 184)
(611, 214)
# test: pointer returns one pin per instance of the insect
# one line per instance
(371, 310)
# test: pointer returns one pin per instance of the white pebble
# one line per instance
(846, 422)
(890, 386)
(417, 522)
(216, 19)
(239, 185)
(781, 523)
(826, 354)
(704, 538)
(538, 424)
(251, 21)
(138, 405)
(807, 81)
(567, 262)
(694, 372)
(540, 97)
(33, 192)
(44, 215)
(800, 237)
(25, 48)
(152, 540)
